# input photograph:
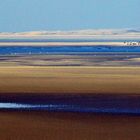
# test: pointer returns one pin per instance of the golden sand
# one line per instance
(27, 79)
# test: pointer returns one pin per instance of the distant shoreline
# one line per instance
(59, 44)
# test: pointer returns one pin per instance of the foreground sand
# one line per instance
(73, 80)
(70, 80)
(67, 126)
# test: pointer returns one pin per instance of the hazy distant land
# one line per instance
(90, 33)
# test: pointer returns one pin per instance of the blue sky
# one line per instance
(29, 15)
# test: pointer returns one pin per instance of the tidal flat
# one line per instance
(71, 74)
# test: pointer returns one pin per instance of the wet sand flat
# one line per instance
(70, 126)
(73, 80)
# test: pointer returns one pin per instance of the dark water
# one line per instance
(66, 49)
(112, 104)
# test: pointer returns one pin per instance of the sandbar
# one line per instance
(60, 44)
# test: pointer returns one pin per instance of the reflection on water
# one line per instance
(119, 104)
(23, 106)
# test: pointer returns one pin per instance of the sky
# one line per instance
(37, 15)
